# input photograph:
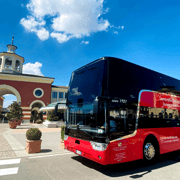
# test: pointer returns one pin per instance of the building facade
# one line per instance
(58, 93)
(32, 91)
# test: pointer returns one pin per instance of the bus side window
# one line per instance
(170, 115)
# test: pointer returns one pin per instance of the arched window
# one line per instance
(17, 67)
(8, 63)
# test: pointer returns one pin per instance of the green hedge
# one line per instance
(33, 134)
(62, 132)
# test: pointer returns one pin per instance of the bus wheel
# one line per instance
(149, 151)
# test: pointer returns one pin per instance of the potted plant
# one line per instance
(15, 115)
(39, 121)
(52, 117)
(31, 119)
(62, 137)
(11, 121)
(33, 142)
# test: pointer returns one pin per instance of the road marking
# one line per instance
(50, 155)
(8, 171)
(10, 161)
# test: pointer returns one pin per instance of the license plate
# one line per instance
(78, 152)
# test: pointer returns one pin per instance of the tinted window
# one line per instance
(158, 110)
(86, 83)
(60, 94)
(54, 95)
(150, 117)
(126, 80)
(124, 118)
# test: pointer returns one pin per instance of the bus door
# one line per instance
(157, 115)
(124, 142)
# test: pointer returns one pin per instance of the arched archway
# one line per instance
(6, 89)
(35, 106)
(37, 101)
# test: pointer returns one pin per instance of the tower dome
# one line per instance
(10, 62)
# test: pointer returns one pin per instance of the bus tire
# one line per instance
(150, 151)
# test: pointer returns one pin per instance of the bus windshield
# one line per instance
(86, 85)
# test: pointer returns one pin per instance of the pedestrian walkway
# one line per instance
(9, 171)
(5, 148)
(13, 141)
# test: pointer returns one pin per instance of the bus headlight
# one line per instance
(65, 137)
(98, 146)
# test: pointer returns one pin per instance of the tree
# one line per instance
(15, 112)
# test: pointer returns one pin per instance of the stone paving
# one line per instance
(5, 149)
(13, 141)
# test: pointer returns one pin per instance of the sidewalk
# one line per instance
(13, 141)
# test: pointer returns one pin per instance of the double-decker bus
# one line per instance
(118, 112)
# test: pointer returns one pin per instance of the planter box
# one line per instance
(12, 125)
(62, 144)
(50, 124)
(33, 146)
(19, 122)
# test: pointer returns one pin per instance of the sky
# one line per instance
(58, 36)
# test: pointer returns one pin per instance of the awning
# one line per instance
(52, 106)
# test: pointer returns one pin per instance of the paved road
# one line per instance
(54, 163)
(68, 166)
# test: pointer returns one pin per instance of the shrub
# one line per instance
(40, 116)
(39, 121)
(33, 134)
(52, 117)
(15, 112)
(1, 116)
(62, 132)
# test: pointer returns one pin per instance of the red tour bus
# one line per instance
(119, 112)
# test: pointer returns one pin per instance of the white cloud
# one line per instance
(85, 42)
(115, 32)
(69, 18)
(35, 69)
(61, 37)
(6, 103)
(43, 34)
(6, 95)
(74, 92)
(36, 26)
